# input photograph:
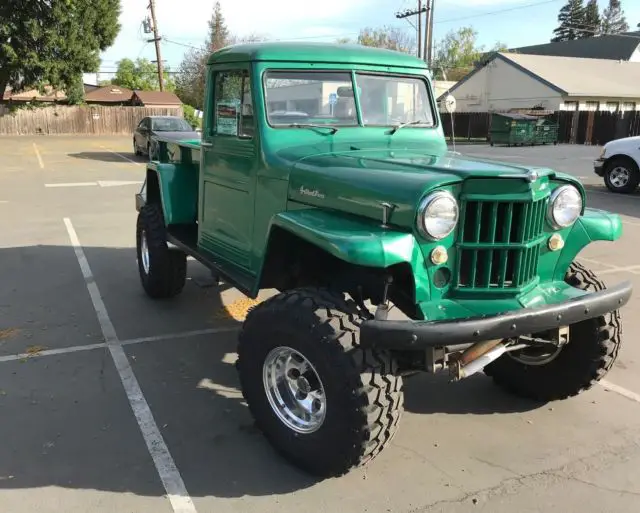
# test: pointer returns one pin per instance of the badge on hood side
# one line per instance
(313, 193)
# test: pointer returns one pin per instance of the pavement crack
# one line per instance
(424, 459)
(508, 485)
(496, 465)
(599, 487)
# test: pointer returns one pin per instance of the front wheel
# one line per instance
(621, 175)
(591, 352)
(326, 404)
(163, 270)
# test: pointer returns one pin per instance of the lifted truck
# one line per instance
(323, 172)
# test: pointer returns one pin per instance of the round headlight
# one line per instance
(565, 206)
(437, 215)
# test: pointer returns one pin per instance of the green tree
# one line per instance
(54, 41)
(591, 20)
(190, 81)
(457, 54)
(218, 31)
(389, 38)
(613, 19)
(191, 77)
(141, 75)
(572, 20)
(75, 91)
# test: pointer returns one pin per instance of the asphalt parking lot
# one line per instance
(112, 402)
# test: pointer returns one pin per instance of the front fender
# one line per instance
(594, 225)
(357, 241)
(178, 190)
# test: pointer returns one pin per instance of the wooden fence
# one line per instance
(78, 120)
(595, 128)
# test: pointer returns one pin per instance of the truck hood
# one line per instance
(359, 181)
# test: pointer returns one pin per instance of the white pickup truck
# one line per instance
(619, 164)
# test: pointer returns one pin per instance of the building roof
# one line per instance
(571, 76)
(582, 77)
(315, 52)
(157, 98)
(612, 46)
(110, 93)
(50, 95)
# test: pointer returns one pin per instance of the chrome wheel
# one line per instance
(619, 176)
(144, 252)
(294, 390)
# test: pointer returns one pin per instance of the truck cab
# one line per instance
(323, 173)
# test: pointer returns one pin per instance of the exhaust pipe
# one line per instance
(480, 363)
(476, 358)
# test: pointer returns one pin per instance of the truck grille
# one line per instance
(499, 243)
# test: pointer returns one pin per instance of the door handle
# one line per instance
(206, 144)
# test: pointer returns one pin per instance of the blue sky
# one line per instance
(184, 22)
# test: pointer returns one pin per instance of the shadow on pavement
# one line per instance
(107, 156)
(475, 395)
(66, 421)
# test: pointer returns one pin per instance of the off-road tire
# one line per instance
(590, 354)
(634, 178)
(362, 388)
(167, 266)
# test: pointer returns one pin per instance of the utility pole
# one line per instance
(427, 34)
(413, 12)
(156, 40)
(420, 27)
(431, 13)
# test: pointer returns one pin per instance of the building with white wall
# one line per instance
(510, 81)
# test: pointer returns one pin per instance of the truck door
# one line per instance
(229, 159)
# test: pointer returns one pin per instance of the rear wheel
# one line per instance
(591, 352)
(326, 404)
(621, 175)
(163, 270)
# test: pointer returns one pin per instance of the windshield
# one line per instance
(302, 97)
(389, 100)
(299, 98)
(170, 125)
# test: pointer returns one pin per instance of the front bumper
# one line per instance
(415, 335)
(598, 167)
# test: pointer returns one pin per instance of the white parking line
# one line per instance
(166, 467)
(121, 156)
(51, 352)
(71, 184)
(40, 162)
(612, 387)
(101, 345)
(186, 334)
(99, 183)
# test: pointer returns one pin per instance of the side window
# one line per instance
(233, 107)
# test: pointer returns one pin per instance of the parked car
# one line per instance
(172, 127)
(619, 164)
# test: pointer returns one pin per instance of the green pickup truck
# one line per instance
(323, 173)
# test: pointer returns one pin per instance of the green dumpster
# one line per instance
(546, 131)
(512, 129)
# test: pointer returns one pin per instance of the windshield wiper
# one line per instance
(402, 125)
(310, 125)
